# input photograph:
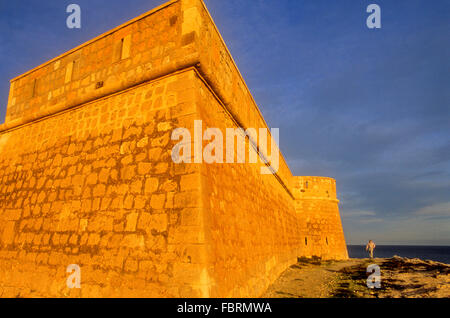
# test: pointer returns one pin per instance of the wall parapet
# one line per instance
(191, 38)
(314, 188)
(131, 53)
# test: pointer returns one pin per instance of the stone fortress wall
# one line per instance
(320, 221)
(87, 178)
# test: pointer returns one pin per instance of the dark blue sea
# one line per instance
(434, 253)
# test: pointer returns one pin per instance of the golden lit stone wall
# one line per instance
(142, 49)
(217, 66)
(320, 222)
(176, 35)
(96, 186)
(251, 225)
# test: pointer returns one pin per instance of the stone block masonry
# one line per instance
(86, 175)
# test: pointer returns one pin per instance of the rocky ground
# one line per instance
(400, 278)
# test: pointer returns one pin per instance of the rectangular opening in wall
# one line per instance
(33, 88)
(11, 99)
(69, 72)
(122, 49)
(117, 54)
(126, 47)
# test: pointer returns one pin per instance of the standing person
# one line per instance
(370, 247)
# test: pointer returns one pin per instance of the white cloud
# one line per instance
(358, 213)
(439, 209)
(371, 220)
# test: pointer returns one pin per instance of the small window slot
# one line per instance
(69, 72)
(33, 91)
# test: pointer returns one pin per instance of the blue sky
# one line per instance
(367, 107)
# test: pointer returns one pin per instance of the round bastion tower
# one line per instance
(317, 207)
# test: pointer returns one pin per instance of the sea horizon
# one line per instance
(437, 253)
